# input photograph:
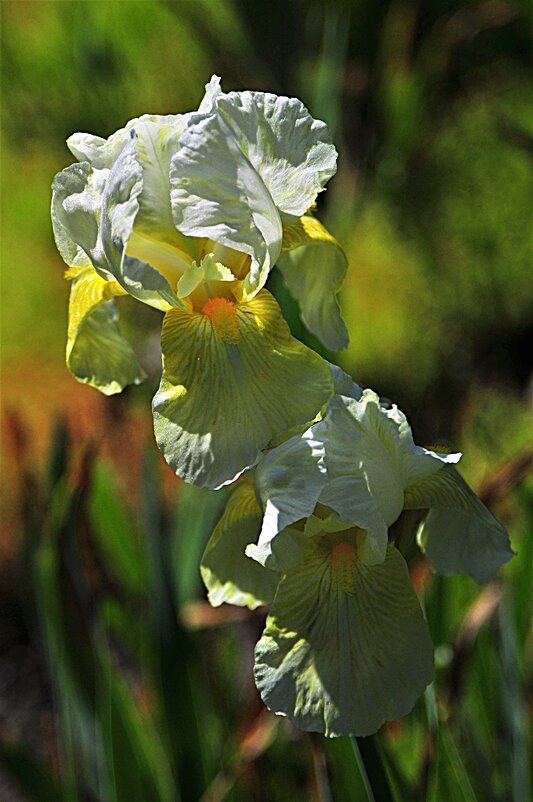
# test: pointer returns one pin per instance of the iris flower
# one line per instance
(346, 646)
(189, 213)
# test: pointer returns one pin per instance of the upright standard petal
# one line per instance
(290, 150)
(228, 387)
(77, 198)
(313, 266)
(365, 439)
(289, 480)
(459, 535)
(122, 201)
(93, 213)
(216, 193)
(156, 142)
(212, 90)
(102, 153)
(346, 646)
(228, 574)
(96, 352)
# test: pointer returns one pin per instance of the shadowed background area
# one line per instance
(117, 681)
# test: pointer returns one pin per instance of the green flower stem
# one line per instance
(373, 770)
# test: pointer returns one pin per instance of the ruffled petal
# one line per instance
(157, 141)
(228, 574)
(459, 535)
(212, 90)
(290, 150)
(313, 266)
(346, 646)
(122, 201)
(216, 193)
(289, 480)
(93, 212)
(362, 485)
(364, 439)
(102, 153)
(77, 198)
(233, 378)
(96, 353)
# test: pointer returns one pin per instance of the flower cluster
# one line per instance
(189, 213)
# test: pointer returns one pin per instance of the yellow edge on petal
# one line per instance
(96, 352)
(88, 290)
(306, 230)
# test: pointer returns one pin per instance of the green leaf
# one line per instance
(196, 513)
(116, 531)
(344, 770)
(137, 763)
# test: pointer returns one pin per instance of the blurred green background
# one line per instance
(118, 683)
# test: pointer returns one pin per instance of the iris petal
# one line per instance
(290, 150)
(346, 646)
(459, 535)
(96, 352)
(313, 266)
(229, 575)
(231, 382)
(216, 193)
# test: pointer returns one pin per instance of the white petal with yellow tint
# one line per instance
(197, 274)
(156, 142)
(216, 193)
(77, 200)
(364, 439)
(313, 266)
(72, 253)
(232, 380)
(289, 480)
(290, 150)
(99, 152)
(102, 153)
(459, 535)
(96, 352)
(93, 212)
(212, 90)
(121, 205)
(228, 574)
(346, 646)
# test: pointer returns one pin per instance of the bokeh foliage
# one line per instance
(119, 682)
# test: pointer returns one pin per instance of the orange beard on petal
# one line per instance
(343, 566)
(223, 316)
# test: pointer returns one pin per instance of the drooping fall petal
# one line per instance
(233, 378)
(459, 535)
(346, 646)
(228, 574)
(313, 266)
(97, 354)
